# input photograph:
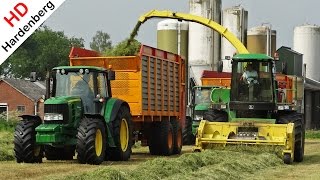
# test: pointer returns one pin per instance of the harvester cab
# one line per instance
(252, 112)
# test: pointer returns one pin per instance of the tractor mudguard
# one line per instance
(110, 113)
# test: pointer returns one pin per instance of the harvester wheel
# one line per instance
(153, 139)
(287, 158)
(55, 153)
(177, 134)
(188, 137)
(122, 131)
(297, 119)
(25, 147)
(166, 138)
(91, 141)
(216, 116)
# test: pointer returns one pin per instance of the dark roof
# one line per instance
(32, 90)
(289, 49)
(312, 85)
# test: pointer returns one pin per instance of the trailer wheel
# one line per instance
(91, 141)
(188, 137)
(296, 118)
(25, 147)
(153, 139)
(55, 153)
(216, 116)
(177, 136)
(166, 138)
(122, 129)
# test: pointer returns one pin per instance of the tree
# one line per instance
(42, 51)
(100, 42)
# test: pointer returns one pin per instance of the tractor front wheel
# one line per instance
(25, 147)
(122, 136)
(91, 141)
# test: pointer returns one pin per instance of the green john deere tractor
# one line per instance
(80, 116)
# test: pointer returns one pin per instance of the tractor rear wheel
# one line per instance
(177, 136)
(188, 137)
(296, 118)
(25, 147)
(122, 131)
(216, 116)
(59, 153)
(91, 141)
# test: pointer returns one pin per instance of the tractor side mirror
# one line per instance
(111, 75)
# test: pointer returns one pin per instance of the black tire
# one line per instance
(55, 153)
(153, 139)
(122, 152)
(25, 147)
(91, 132)
(188, 137)
(296, 118)
(177, 136)
(166, 138)
(216, 116)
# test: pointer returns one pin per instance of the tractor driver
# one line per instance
(250, 75)
(83, 90)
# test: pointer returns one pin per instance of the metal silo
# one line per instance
(204, 43)
(172, 36)
(258, 39)
(306, 40)
(236, 20)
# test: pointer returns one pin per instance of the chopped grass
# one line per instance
(210, 164)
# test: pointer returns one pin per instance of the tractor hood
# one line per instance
(63, 100)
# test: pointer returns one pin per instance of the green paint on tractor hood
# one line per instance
(220, 95)
(62, 100)
(55, 134)
(202, 107)
(259, 57)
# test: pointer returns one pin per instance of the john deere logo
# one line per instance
(251, 106)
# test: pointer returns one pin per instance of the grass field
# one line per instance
(232, 163)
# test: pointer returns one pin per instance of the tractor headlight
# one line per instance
(53, 117)
(198, 117)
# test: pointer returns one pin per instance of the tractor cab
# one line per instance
(90, 84)
(252, 84)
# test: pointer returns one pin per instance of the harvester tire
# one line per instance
(216, 116)
(122, 136)
(177, 136)
(91, 141)
(55, 153)
(25, 147)
(166, 138)
(153, 139)
(188, 137)
(297, 119)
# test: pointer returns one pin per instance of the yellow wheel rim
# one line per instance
(98, 142)
(170, 139)
(124, 134)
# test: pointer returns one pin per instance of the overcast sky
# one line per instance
(118, 17)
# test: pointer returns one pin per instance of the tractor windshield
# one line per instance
(76, 84)
(252, 81)
(202, 95)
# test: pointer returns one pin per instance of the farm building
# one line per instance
(22, 96)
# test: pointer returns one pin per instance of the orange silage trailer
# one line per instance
(153, 83)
